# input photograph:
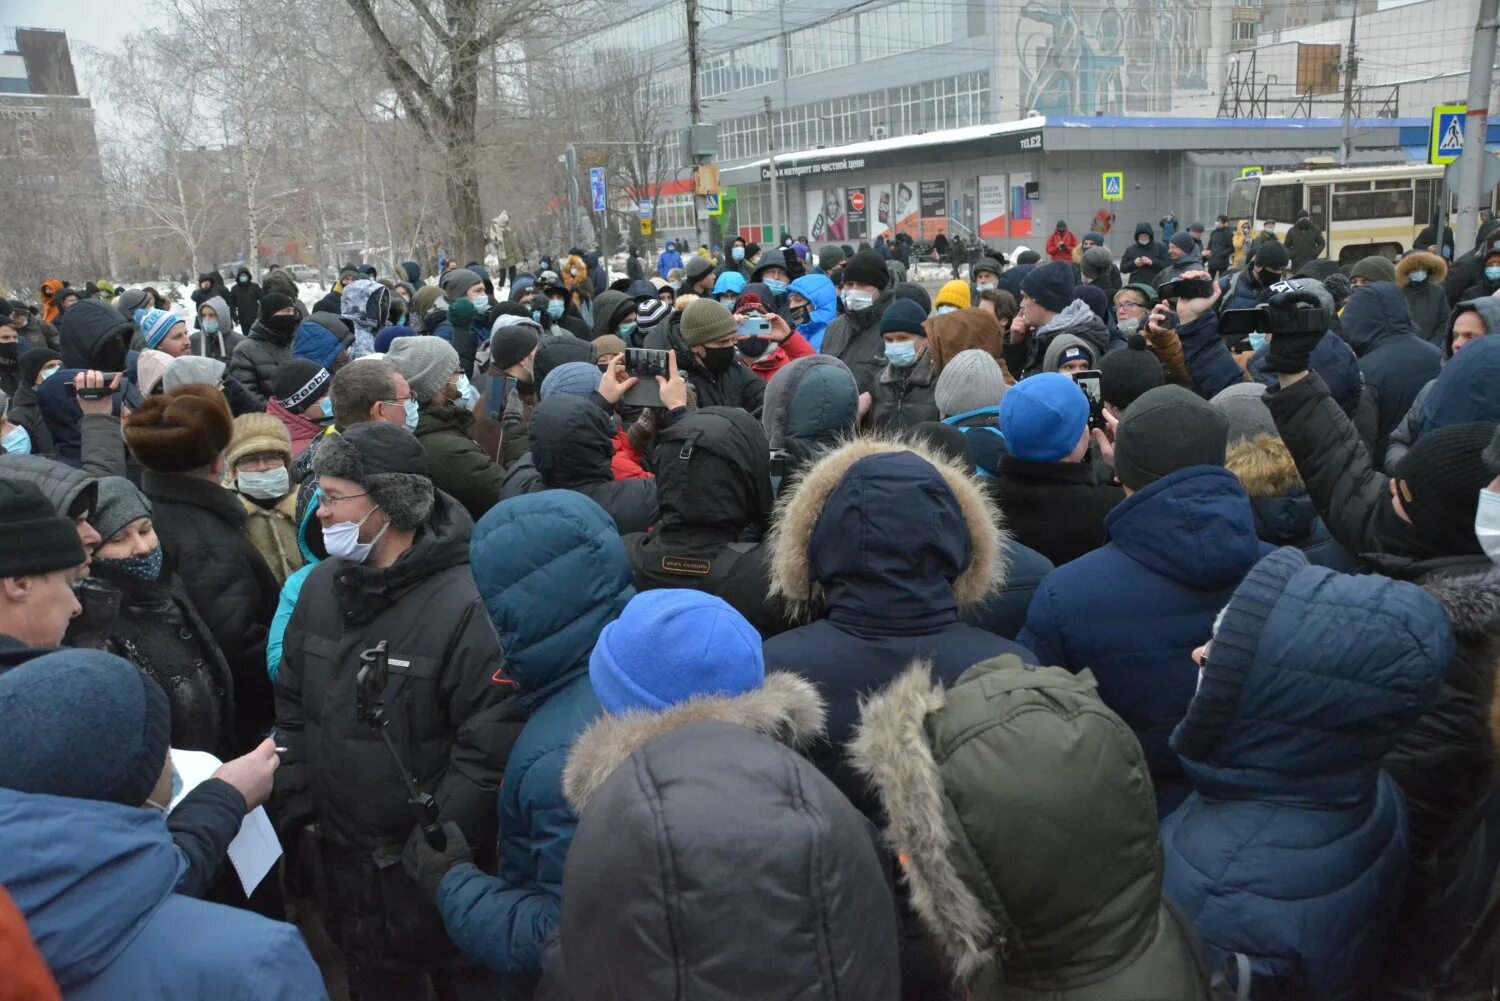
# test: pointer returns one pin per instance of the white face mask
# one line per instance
(342, 540)
(1487, 524)
(272, 484)
(856, 300)
(985, 286)
(468, 396)
(1130, 326)
(413, 414)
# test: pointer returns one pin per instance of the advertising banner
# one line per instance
(934, 207)
(1020, 207)
(827, 212)
(905, 212)
(857, 213)
(992, 207)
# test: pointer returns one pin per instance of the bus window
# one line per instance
(1279, 202)
(1421, 206)
(1242, 198)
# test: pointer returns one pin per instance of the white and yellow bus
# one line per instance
(1361, 210)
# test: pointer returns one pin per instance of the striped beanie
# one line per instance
(155, 324)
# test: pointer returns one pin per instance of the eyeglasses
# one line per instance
(1128, 304)
(331, 499)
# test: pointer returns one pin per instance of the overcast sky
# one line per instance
(101, 23)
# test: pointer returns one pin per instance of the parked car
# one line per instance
(302, 272)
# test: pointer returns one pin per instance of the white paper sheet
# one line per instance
(254, 851)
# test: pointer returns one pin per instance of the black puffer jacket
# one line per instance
(571, 447)
(202, 530)
(713, 485)
(245, 298)
(660, 890)
(855, 340)
(447, 710)
(258, 356)
(202, 295)
(1056, 508)
(737, 386)
(1394, 359)
(94, 336)
(155, 626)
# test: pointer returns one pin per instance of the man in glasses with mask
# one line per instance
(397, 573)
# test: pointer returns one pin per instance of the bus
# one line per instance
(1361, 210)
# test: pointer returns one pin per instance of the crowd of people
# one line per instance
(766, 627)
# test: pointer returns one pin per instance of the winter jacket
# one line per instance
(298, 428)
(713, 485)
(1220, 248)
(273, 532)
(855, 340)
(809, 408)
(668, 260)
(216, 288)
(1060, 246)
(1429, 306)
(552, 573)
(572, 448)
(37, 333)
(1134, 611)
(1443, 761)
(1293, 846)
(1154, 250)
(446, 706)
(897, 539)
(219, 345)
(322, 338)
(773, 361)
(202, 530)
(1174, 270)
(258, 356)
(1240, 290)
(1004, 612)
(1304, 243)
(455, 462)
(246, 299)
(310, 545)
(1290, 519)
(905, 397)
(1395, 361)
(611, 309)
(737, 386)
(977, 777)
(155, 627)
(97, 883)
(658, 898)
(94, 336)
(330, 301)
(1471, 400)
(1056, 508)
(1077, 319)
(823, 306)
(1469, 268)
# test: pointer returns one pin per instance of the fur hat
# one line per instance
(388, 462)
(180, 432)
(257, 434)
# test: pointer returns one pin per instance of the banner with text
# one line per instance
(992, 207)
(1020, 206)
(934, 208)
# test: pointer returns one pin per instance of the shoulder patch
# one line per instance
(686, 565)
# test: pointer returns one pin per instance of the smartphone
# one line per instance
(647, 363)
(93, 394)
(1187, 288)
(755, 326)
(1090, 382)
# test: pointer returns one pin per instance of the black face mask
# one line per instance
(284, 326)
(754, 347)
(1266, 278)
(10, 353)
(801, 315)
(718, 360)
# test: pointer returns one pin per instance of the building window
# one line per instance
(1244, 31)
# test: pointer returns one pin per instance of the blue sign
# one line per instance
(596, 187)
(1446, 142)
(711, 203)
(645, 208)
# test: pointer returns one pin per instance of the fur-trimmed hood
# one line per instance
(785, 707)
(871, 526)
(1472, 602)
(1435, 266)
(975, 781)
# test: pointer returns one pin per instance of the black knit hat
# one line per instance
(903, 316)
(867, 268)
(1439, 482)
(511, 343)
(300, 383)
(1232, 653)
(1271, 254)
(32, 362)
(34, 538)
(1050, 285)
(1125, 376)
(274, 302)
(1184, 242)
(1167, 429)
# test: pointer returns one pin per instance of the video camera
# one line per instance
(1291, 309)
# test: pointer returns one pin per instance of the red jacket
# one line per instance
(795, 346)
(626, 462)
(1060, 246)
(301, 430)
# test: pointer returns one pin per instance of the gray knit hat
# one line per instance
(705, 321)
(695, 268)
(1375, 268)
(1095, 261)
(120, 502)
(456, 283)
(971, 379)
(1246, 412)
(426, 363)
(192, 370)
(388, 462)
(1167, 429)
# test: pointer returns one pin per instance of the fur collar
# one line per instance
(791, 534)
(1472, 601)
(890, 749)
(785, 707)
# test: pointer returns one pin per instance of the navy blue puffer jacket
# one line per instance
(1134, 611)
(1396, 362)
(1292, 849)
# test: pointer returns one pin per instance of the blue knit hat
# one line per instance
(1232, 653)
(385, 337)
(574, 378)
(155, 324)
(903, 316)
(670, 645)
(1050, 285)
(59, 710)
(1042, 417)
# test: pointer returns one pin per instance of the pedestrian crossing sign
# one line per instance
(1446, 142)
(713, 204)
(1114, 187)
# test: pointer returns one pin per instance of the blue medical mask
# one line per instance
(536, 316)
(1417, 276)
(17, 441)
(210, 326)
(946, 309)
(902, 354)
(985, 286)
(413, 413)
(555, 308)
(626, 329)
(1258, 340)
(481, 303)
(1492, 273)
(776, 285)
(327, 407)
(49, 372)
(857, 299)
(738, 253)
(468, 396)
